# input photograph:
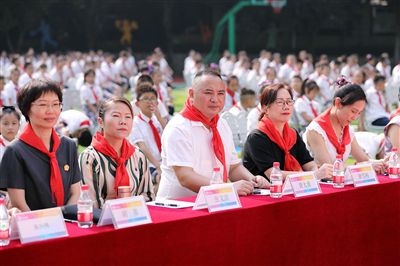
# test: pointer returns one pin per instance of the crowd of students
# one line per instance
(298, 113)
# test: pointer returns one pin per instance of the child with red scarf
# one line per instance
(40, 170)
(111, 161)
(232, 95)
(330, 133)
(197, 141)
(274, 141)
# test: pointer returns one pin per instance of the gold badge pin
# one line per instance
(66, 168)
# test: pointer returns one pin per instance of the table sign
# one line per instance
(125, 212)
(348, 180)
(218, 196)
(14, 234)
(304, 184)
(363, 174)
(40, 225)
(287, 187)
(200, 202)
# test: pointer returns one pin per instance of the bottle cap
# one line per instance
(394, 149)
(276, 164)
(85, 187)
(339, 156)
(216, 169)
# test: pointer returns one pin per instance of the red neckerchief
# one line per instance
(56, 184)
(100, 144)
(312, 107)
(232, 94)
(156, 135)
(285, 144)
(324, 121)
(96, 98)
(192, 113)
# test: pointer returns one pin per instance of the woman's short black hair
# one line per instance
(33, 90)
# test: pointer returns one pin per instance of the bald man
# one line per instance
(193, 140)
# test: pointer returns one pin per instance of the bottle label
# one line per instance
(338, 179)
(276, 189)
(393, 171)
(84, 217)
(4, 231)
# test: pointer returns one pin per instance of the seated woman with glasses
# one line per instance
(274, 141)
(111, 164)
(40, 170)
(330, 133)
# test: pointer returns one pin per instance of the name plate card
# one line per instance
(218, 197)
(287, 187)
(125, 212)
(362, 174)
(40, 225)
(304, 184)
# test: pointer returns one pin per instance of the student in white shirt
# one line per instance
(11, 88)
(41, 73)
(27, 76)
(254, 77)
(287, 71)
(295, 83)
(232, 94)
(246, 104)
(305, 106)
(91, 96)
(9, 126)
(324, 83)
(146, 130)
(188, 156)
(161, 112)
(376, 111)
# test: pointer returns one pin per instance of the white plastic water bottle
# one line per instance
(216, 177)
(394, 164)
(276, 178)
(338, 172)
(85, 208)
(4, 224)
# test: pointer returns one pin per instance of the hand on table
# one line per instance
(260, 182)
(243, 187)
(325, 171)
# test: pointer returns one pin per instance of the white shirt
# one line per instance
(302, 105)
(348, 71)
(374, 109)
(396, 74)
(324, 86)
(228, 100)
(237, 108)
(10, 93)
(371, 143)
(75, 120)
(40, 75)
(285, 73)
(384, 70)
(3, 148)
(141, 132)
(329, 146)
(188, 143)
(57, 76)
(23, 79)
(252, 118)
(253, 78)
(88, 91)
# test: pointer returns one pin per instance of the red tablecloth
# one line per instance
(350, 226)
